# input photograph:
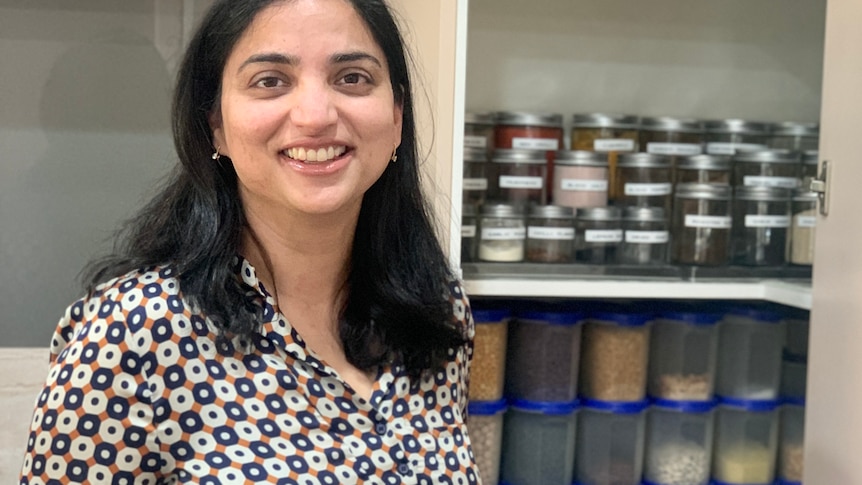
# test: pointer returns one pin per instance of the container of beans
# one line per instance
(750, 342)
(679, 438)
(645, 236)
(701, 224)
(766, 168)
(615, 353)
(746, 442)
(489, 353)
(610, 443)
(803, 227)
(703, 169)
(538, 443)
(469, 214)
(598, 234)
(611, 134)
(518, 177)
(761, 226)
(793, 135)
(475, 181)
(502, 233)
(550, 234)
(544, 353)
(726, 137)
(479, 131)
(644, 180)
(791, 440)
(485, 426)
(580, 179)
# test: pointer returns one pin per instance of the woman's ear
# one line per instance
(217, 128)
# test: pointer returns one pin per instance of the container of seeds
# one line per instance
(538, 443)
(487, 371)
(485, 425)
(610, 443)
(746, 442)
(791, 438)
(678, 442)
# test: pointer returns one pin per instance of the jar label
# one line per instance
(647, 237)
(806, 221)
(503, 233)
(555, 233)
(647, 189)
(473, 141)
(584, 185)
(725, 148)
(468, 231)
(674, 148)
(754, 220)
(767, 181)
(520, 182)
(603, 235)
(711, 222)
(613, 145)
(536, 143)
(475, 184)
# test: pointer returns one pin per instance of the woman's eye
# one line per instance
(269, 82)
(353, 78)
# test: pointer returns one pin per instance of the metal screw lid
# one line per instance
(530, 119)
(603, 213)
(517, 155)
(604, 120)
(551, 212)
(667, 123)
(479, 118)
(767, 156)
(581, 158)
(703, 191)
(643, 214)
(804, 195)
(795, 128)
(704, 162)
(643, 160)
(736, 126)
(755, 192)
(810, 157)
(498, 209)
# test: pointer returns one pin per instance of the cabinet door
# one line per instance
(833, 411)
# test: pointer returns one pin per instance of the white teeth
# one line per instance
(318, 155)
(311, 156)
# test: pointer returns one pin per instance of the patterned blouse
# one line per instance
(138, 392)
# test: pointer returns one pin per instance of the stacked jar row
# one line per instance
(544, 350)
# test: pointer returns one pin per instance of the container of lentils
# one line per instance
(750, 342)
(761, 226)
(644, 180)
(766, 168)
(793, 135)
(810, 158)
(703, 169)
(544, 353)
(802, 227)
(645, 236)
(502, 233)
(580, 179)
(598, 234)
(726, 137)
(701, 224)
(610, 443)
(538, 443)
(475, 181)
(792, 437)
(485, 426)
(610, 134)
(489, 354)
(679, 438)
(518, 177)
(615, 354)
(746, 442)
(550, 234)
(479, 131)
(469, 215)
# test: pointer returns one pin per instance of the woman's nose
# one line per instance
(313, 106)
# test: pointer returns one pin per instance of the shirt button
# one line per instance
(380, 428)
(403, 469)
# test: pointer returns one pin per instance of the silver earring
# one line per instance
(394, 157)
(216, 155)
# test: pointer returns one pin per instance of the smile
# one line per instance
(315, 155)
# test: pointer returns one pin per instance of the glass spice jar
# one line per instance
(530, 131)
(644, 180)
(645, 236)
(550, 234)
(598, 234)
(479, 131)
(726, 137)
(802, 228)
(518, 176)
(580, 179)
(468, 233)
(671, 136)
(701, 224)
(703, 169)
(766, 168)
(475, 181)
(611, 134)
(502, 233)
(761, 222)
(794, 135)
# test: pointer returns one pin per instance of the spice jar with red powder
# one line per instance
(530, 131)
(580, 179)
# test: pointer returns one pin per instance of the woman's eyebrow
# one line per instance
(270, 58)
(341, 58)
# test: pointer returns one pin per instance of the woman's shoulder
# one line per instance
(461, 313)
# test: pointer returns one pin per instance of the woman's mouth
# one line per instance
(315, 155)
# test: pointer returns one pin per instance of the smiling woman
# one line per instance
(281, 311)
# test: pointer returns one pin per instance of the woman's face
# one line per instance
(307, 112)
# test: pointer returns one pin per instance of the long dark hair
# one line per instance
(398, 301)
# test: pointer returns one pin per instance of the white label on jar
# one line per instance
(584, 185)
(475, 184)
(536, 143)
(647, 189)
(647, 237)
(556, 233)
(603, 235)
(520, 182)
(766, 181)
(674, 148)
(806, 221)
(725, 148)
(753, 220)
(473, 141)
(503, 233)
(711, 222)
(613, 145)
(468, 231)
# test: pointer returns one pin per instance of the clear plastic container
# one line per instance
(796, 321)
(487, 371)
(580, 179)
(791, 441)
(703, 169)
(502, 233)
(750, 340)
(726, 137)
(766, 168)
(544, 354)
(684, 352)
(610, 134)
(598, 234)
(550, 234)
(610, 443)
(803, 227)
(646, 237)
(469, 215)
(485, 427)
(518, 177)
(475, 182)
(761, 226)
(794, 135)
(701, 224)
(644, 180)
(539, 443)
(794, 378)
(679, 438)
(746, 442)
(479, 131)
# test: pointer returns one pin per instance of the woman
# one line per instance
(281, 312)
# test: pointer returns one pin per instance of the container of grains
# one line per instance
(538, 443)
(580, 179)
(502, 233)
(766, 168)
(615, 353)
(679, 438)
(518, 177)
(644, 180)
(761, 226)
(485, 426)
(726, 137)
(598, 234)
(793, 135)
(645, 236)
(750, 340)
(746, 442)
(550, 234)
(475, 181)
(802, 227)
(611, 134)
(794, 381)
(703, 169)
(791, 439)
(610, 443)
(469, 215)
(544, 353)
(701, 224)
(479, 131)
(684, 350)
(489, 354)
